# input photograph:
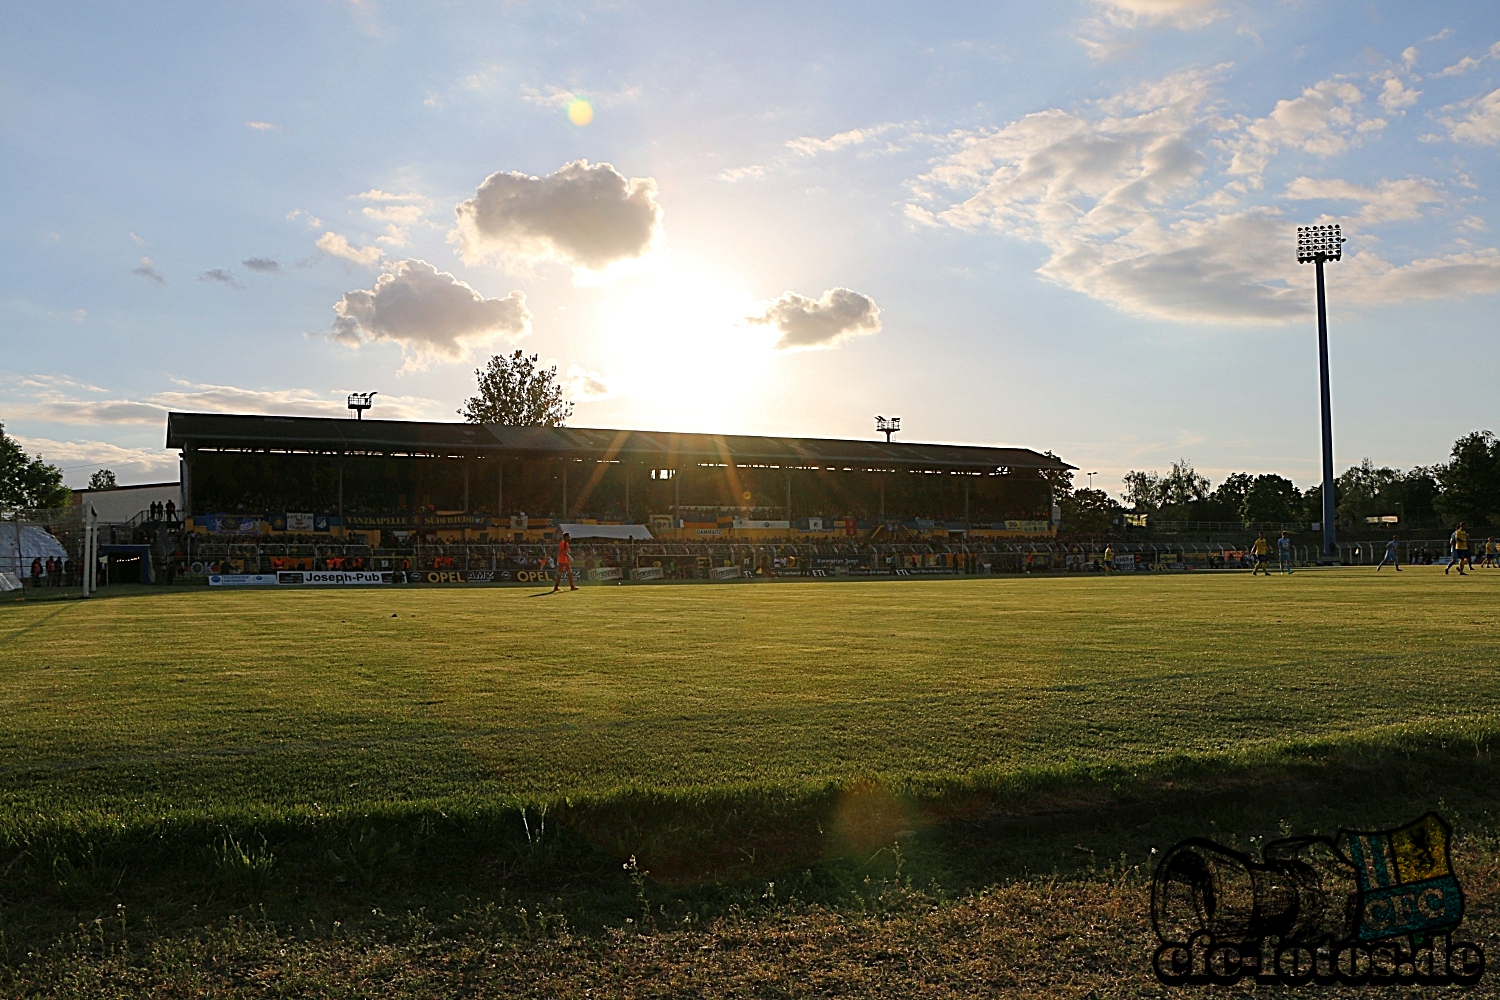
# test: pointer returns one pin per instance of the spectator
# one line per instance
(36, 572)
(171, 512)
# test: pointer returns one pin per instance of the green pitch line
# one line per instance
(148, 705)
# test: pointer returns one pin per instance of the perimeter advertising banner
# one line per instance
(330, 578)
(450, 576)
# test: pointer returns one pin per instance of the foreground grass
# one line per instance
(308, 793)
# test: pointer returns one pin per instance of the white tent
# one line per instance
(35, 544)
(636, 531)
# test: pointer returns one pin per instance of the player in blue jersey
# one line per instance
(1391, 556)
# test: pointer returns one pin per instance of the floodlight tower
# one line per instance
(1316, 244)
(359, 402)
(887, 426)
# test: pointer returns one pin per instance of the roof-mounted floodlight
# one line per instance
(1315, 242)
(359, 402)
(887, 426)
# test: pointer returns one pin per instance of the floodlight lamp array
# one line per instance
(1319, 242)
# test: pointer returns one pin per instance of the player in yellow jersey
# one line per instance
(1261, 549)
(1460, 542)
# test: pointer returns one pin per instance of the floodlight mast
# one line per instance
(887, 426)
(1316, 244)
(359, 402)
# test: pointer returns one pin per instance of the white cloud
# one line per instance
(810, 146)
(827, 321)
(263, 126)
(399, 211)
(375, 194)
(1481, 126)
(734, 174)
(312, 220)
(1395, 95)
(1389, 201)
(147, 269)
(1450, 276)
(1324, 121)
(585, 386)
(206, 397)
(586, 216)
(55, 408)
(1468, 63)
(338, 246)
(79, 458)
(553, 96)
(1135, 213)
(1409, 57)
(1185, 14)
(57, 400)
(138, 241)
(429, 313)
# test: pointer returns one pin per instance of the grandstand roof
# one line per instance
(237, 432)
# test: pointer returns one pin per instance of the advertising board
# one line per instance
(330, 578)
(243, 580)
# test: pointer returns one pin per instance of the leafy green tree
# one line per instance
(1366, 491)
(1224, 503)
(29, 482)
(514, 391)
(1415, 494)
(1471, 480)
(104, 479)
(1272, 498)
(1090, 512)
(1152, 491)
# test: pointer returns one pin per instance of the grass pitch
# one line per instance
(196, 756)
(241, 700)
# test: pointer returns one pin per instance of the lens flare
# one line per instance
(580, 112)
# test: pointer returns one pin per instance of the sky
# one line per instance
(1065, 226)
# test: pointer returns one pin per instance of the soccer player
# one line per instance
(564, 561)
(1489, 553)
(1391, 556)
(1460, 542)
(1261, 549)
(1284, 549)
(1109, 559)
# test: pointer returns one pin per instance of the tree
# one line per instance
(1471, 480)
(104, 479)
(1089, 511)
(1226, 501)
(515, 392)
(1365, 491)
(1272, 498)
(1151, 491)
(29, 482)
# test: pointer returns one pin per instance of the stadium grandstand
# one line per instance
(475, 482)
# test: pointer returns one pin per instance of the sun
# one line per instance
(580, 111)
(678, 339)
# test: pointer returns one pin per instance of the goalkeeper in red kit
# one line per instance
(564, 562)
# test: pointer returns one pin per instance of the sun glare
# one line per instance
(682, 349)
(580, 111)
